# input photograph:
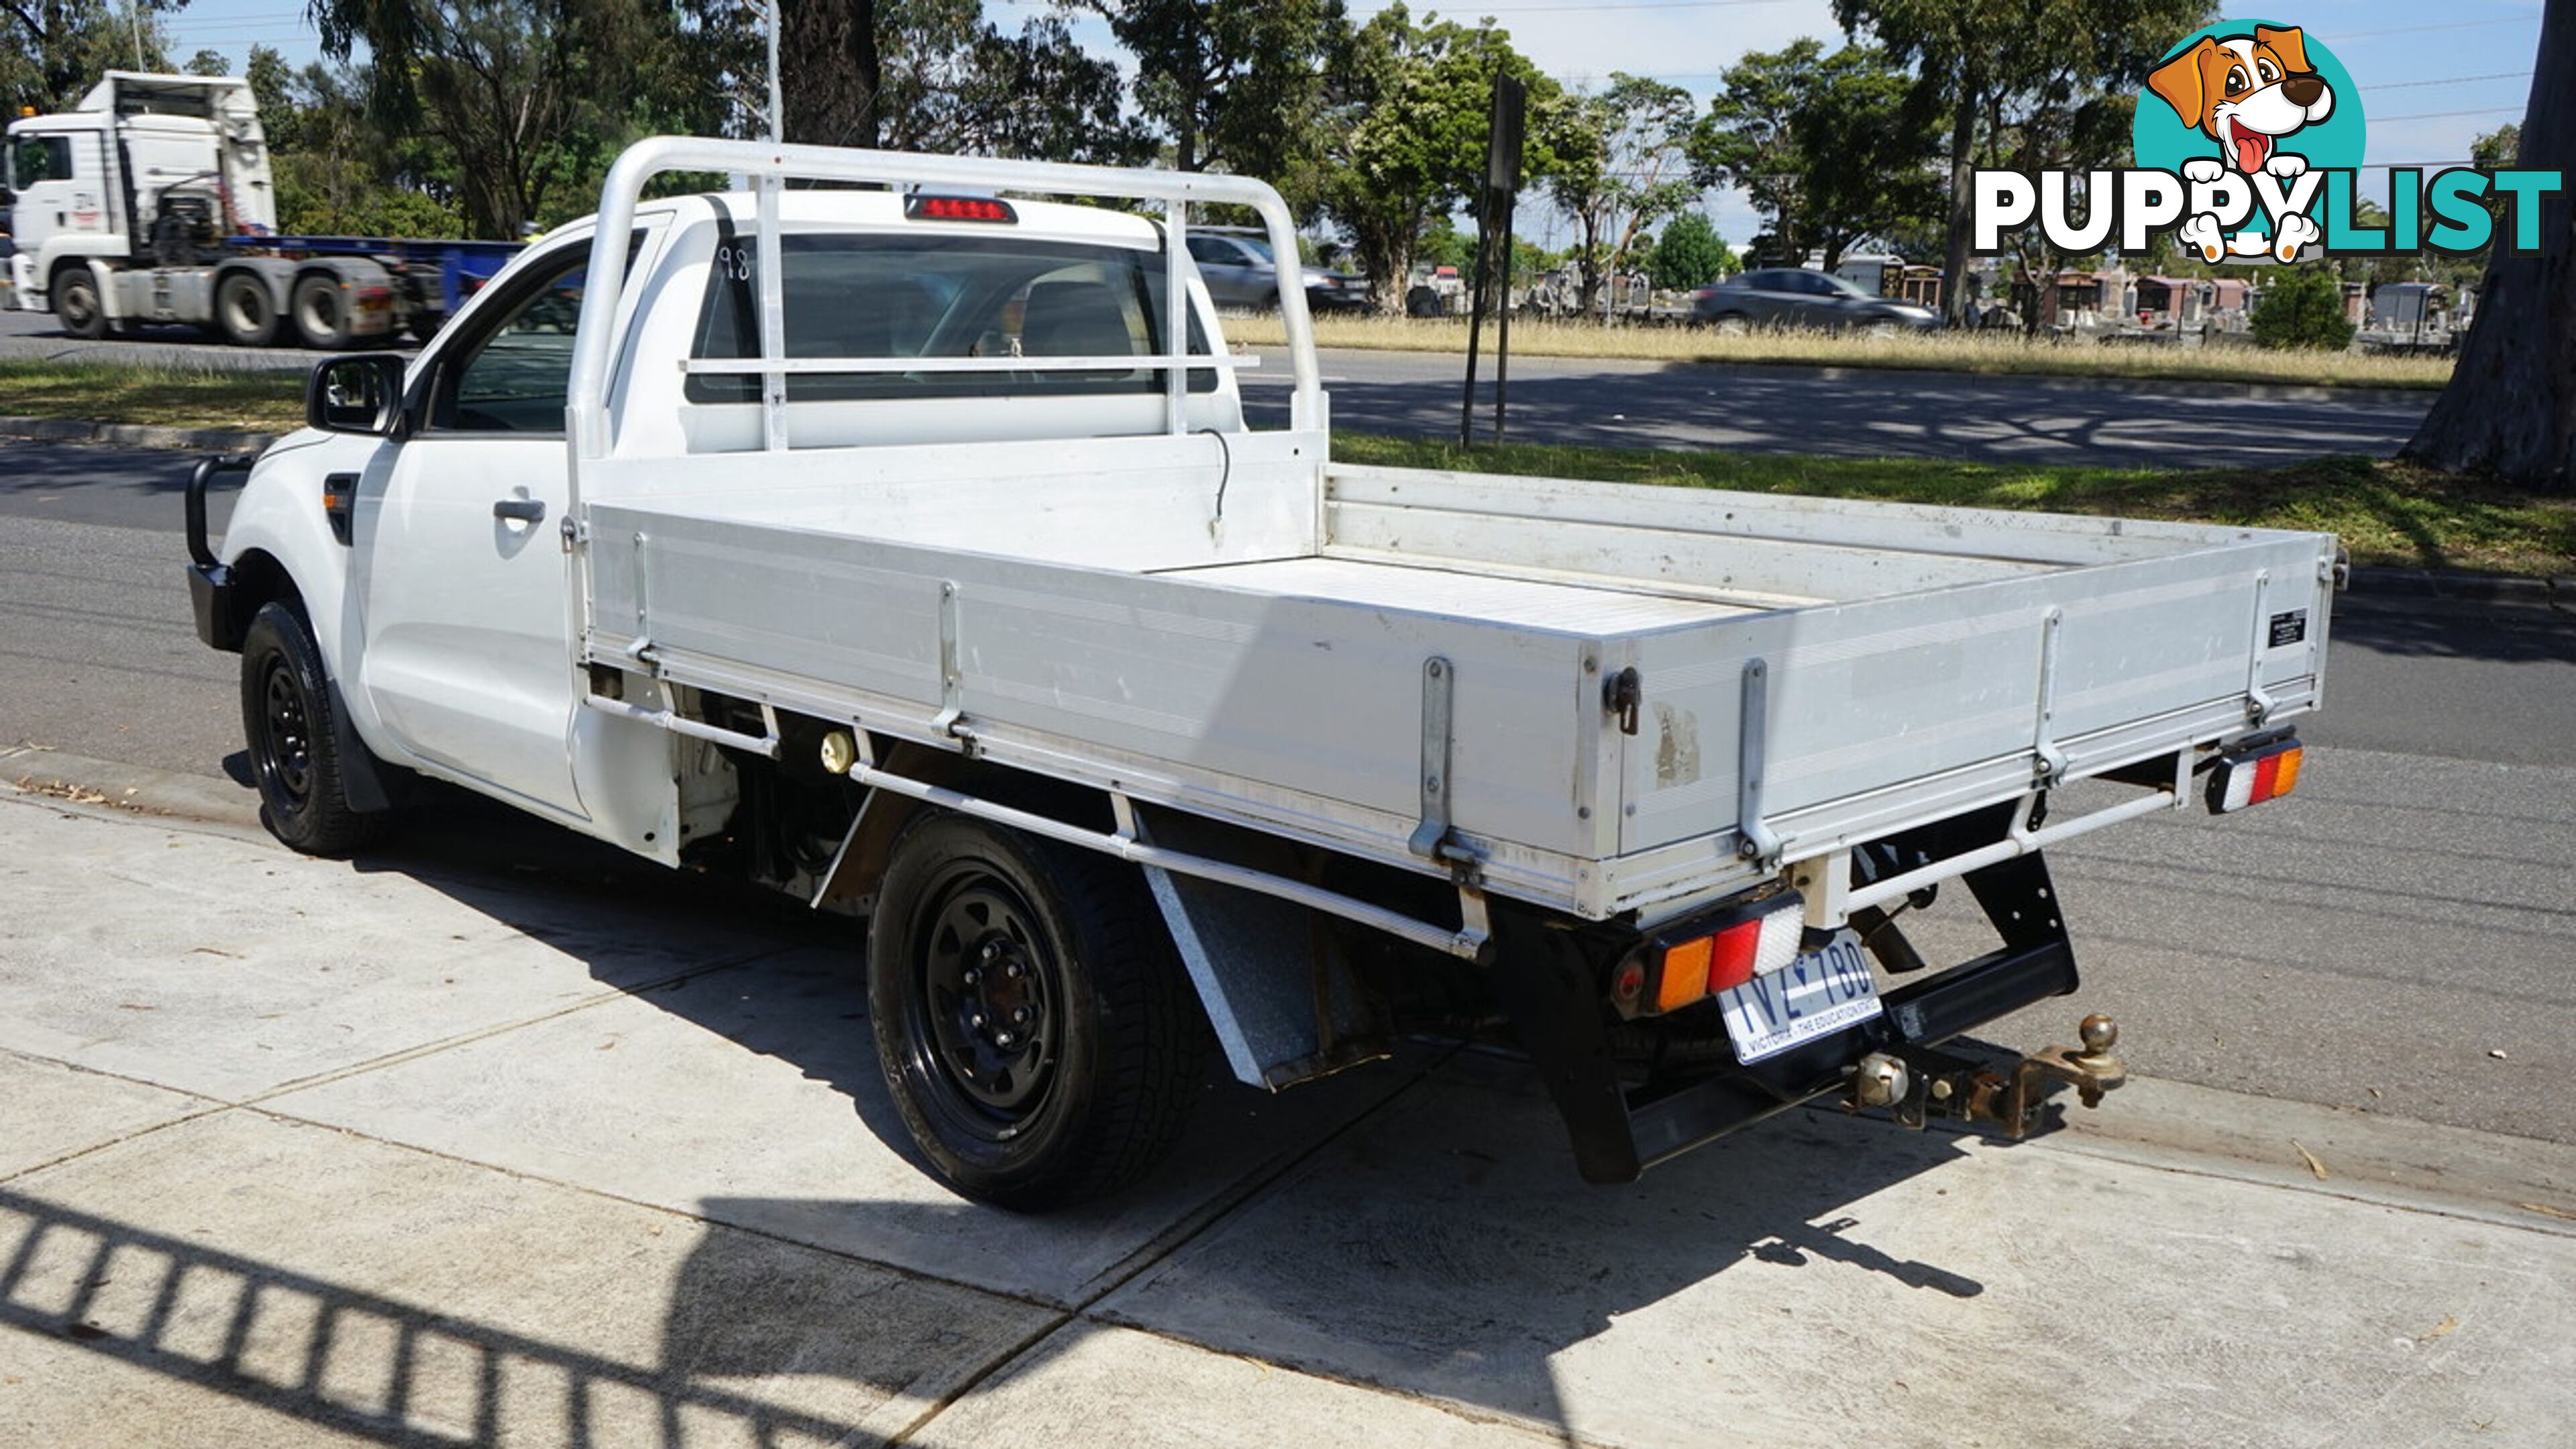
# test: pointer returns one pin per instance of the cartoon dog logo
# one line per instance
(2247, 93)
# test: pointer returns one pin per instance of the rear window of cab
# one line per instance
(871, 295)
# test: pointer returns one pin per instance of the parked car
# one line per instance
(1796, 297)
(1240, 271)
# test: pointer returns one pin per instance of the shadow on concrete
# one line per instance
(1440, 1224)
(441, 1379)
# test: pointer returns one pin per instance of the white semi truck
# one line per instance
(907, 549)
(153, 201)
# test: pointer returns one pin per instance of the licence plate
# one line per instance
(1818, 994)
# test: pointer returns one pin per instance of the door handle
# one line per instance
(521, 510)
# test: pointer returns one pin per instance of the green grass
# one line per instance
(1988, 353)
(2387, 513)
(178, 397)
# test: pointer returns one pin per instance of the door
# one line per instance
(1234, 276)
(54, 181)
(460, 569)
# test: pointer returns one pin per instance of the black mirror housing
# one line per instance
(362, 393)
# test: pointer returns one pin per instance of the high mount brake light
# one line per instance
(1698, 958)
(2254, 776)
(959, 208)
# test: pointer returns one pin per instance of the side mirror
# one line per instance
(358, 394)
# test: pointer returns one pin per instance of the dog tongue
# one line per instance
(2253, 148)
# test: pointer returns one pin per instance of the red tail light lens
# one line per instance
(959, 208)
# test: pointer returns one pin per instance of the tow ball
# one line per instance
(1917, 1084)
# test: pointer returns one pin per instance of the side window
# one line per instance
(1211, 252)
(514, 376)
(40, 158)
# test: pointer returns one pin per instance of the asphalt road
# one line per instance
(2367, 943)
(1856, 412)
(1842, 412)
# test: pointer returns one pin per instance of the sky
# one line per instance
(2432, 77)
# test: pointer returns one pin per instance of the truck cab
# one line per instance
(147, 170)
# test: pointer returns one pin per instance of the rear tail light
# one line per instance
(1708, 954)
(2252, 776)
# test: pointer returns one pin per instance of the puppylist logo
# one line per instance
(2248, 138)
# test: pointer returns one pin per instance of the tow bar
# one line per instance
(1917, 1084)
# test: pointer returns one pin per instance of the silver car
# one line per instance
(1797, 297)
(1240, 272)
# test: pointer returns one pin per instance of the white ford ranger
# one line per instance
(907, 549)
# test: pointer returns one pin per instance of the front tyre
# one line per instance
(77, 306)
(1033, 1026)
(292, 730)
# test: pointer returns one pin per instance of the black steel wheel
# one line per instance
(244, 312)
(77, 305)
(1034, 1028)
(293, 735)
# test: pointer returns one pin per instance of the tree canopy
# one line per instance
(1405, 140)
(58, 49)
(1690, 254)
(1620, 168)
(1829, 148)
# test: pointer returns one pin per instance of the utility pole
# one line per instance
(777, 125)
(1494, 215)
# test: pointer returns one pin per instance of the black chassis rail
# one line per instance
(1550, 984)
(210, 584)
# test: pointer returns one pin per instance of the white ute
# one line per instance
(907, 549)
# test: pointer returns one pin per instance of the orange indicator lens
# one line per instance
(1685, 976)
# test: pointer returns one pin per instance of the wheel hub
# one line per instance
(989, 997)
(290, 751)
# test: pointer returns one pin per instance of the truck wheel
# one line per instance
(294, 741)
(321, 311)
(77, 306)
(1031, 1020)
(243, 311)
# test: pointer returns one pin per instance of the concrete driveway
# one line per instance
(496, 1139)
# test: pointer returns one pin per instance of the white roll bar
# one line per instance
(769, 166)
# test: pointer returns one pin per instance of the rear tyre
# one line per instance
(1732, 324)
(244, 312)
(1032, 1023)
(293, 733)
(77, 305)
(320, 307)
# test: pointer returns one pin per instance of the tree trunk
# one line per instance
(2510, 408)
(1963, 133)
(868, 127)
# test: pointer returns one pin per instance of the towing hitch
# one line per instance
(1917, 1084)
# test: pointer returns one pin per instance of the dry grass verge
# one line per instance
(1971, 352)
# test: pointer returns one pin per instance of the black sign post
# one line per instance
(1495, 203)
